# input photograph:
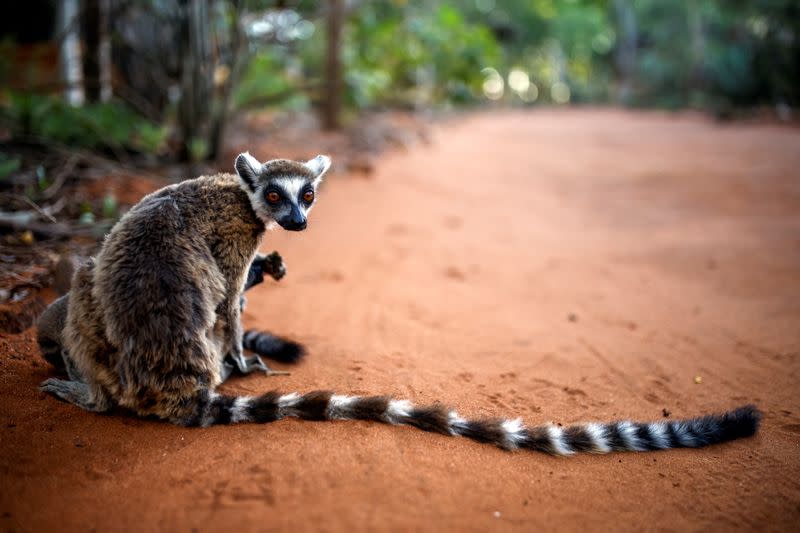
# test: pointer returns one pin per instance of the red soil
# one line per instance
(556, 265)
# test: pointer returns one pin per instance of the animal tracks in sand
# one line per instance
(252, 486)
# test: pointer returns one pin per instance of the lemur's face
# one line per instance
(280, 190)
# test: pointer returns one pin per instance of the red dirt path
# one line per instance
(557, 265)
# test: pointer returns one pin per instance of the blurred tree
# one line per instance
(332, 105)
(97, 50)
(627, 39)
(71, 70)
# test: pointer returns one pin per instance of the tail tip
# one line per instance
(743, 421)
(289, 352)
(272, 346)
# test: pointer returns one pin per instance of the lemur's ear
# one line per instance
(248, 169)
(319, 165)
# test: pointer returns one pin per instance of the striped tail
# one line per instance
(272, 347)
(506, 434)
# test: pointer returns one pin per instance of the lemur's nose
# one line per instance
(295, 223)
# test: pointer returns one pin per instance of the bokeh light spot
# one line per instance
(493, 85)
(560, 92)
(518, 81)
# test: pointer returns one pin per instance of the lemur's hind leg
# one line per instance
(247, 365)
(271, 265)
(77, 393)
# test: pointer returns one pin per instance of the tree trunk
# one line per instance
(70, 53)
(97, 51)
(626, 48)
(332, 105)
(219, 119)
(196, 80)
(697, 75)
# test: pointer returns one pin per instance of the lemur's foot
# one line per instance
(75, 392)
(248, 365)
(270, 372)
(256, 363)
(274, 266)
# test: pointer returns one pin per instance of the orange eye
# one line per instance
(273, 197)
(308, 196)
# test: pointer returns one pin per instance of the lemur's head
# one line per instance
(280, 190)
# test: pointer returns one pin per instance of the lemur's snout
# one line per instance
(294, 222)
(293, 225)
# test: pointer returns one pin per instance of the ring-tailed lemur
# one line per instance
(151, 322)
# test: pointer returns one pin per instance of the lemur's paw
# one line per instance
(274, 266)
(60, 388)
(51, 385)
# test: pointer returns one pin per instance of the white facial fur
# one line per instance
(250, 172)
(292, 188)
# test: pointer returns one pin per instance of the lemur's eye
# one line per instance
(308, 196)
(273, 197)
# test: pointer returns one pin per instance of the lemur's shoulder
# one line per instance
(211, 190)
(206, 205)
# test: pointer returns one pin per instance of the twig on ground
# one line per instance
(61, 177)
(15, 222)
(38, 209)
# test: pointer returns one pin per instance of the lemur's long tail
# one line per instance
(506, 434)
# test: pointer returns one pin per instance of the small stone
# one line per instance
(26, 237)
(666, 412)
(698, 380)
(497, 514)
(572, 317)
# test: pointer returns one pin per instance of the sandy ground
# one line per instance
(557, 265)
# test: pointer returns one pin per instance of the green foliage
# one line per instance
(267, 80)
(110, 207)
(717, 54)
(94, 126)
(554, 42)
(198, 148)
(401, 54)
(8, 165)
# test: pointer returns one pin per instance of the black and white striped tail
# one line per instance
(506, 434)
(272, 347)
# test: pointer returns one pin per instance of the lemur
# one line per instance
(152, 321)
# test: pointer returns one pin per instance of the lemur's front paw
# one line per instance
(274, 266)
(51, 385)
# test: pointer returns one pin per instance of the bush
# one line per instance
(93, 126)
